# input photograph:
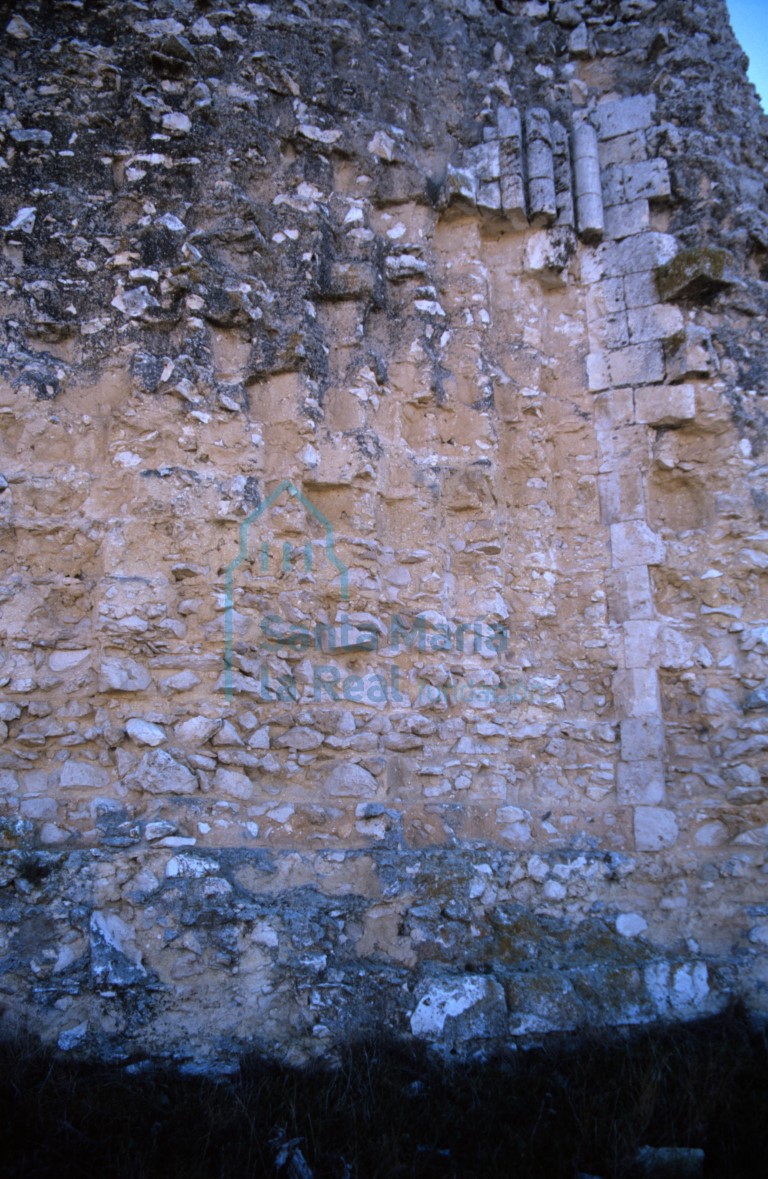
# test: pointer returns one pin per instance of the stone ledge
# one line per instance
(665, 405)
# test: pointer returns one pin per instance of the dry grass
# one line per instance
(578, 1103)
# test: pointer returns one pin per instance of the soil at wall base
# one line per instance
(569, 1105)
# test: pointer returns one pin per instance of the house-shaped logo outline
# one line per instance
(229, 572)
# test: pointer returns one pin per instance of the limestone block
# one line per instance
(578, 41)
(640, 783)
(694, 273)
(144, 732)
(648, 180)
(350, 780)
(160, 773)
(484, 160)
(232, 783)
(625, 220)
(605, 298)
(614, 409)
(636, 692)
(598, 372)
(455, 1010)
(541, 200)
(83, 773)
(754, 837)
(39, 808)
(757, 698)
(65, 659)
(712, 834)
(655, 828)
(645, 251)
(665, 405)
(123, 675)
(638, 364)
(115, 958)
(624, 149)
(461, 182)
(73, 1037)
(641, 636)
(50, 833)
(679, 991)
(402, 266)
(489, 195)
(621, 494)
(548, 254)
(624, 115)
(190, 865)
(642, 738)
(509, 124)
(640, 289)
(9, 783)
(633, 543)
(630, 598)
(630, 924)
(197, 730)
(612, 179)
(610, 331)
(655, 322)
(691, 354)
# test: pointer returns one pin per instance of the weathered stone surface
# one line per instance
(665, 405)
(350, 781)
(694, 273)
(453, 1011)
(655, 828)
(115, 959)
(160, 773)
(144, 732)
(83, 773)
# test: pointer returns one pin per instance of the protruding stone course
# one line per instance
(694, 273)
(665, 405)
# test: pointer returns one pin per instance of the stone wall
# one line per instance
(383, 516)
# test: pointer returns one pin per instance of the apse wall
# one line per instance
(383, 523)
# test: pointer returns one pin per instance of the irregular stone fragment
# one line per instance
(144, 732)
(115, 958)
(655, 828)
(456, 1010)
(160, 773)
(123, 675)
(694, 273)
(757, 698)
(83, 773)
(350, 780)
(232, 782)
